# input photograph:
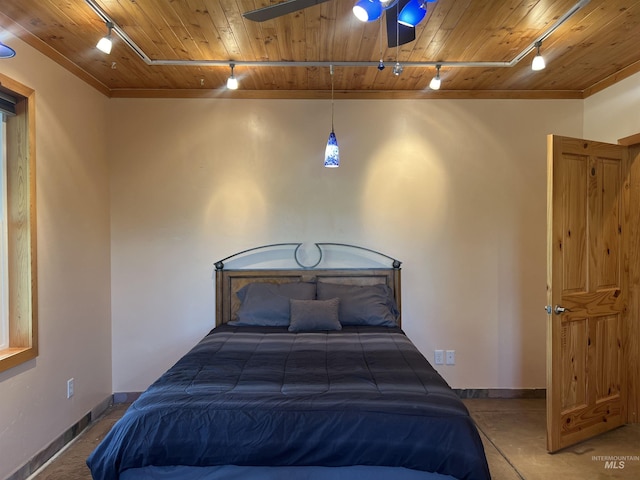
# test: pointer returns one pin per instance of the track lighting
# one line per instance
(367, 10)
(332, 152)
(232, 81)
(6, 51)
(538, 61)
(105, 43)
(434, 84)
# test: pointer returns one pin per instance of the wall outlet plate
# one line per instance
(439, 357)
(451, 357)
(70, 388)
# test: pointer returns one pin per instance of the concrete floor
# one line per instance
(514, 436)
(513, 432)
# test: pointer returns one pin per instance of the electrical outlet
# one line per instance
(451, 357)
(439, 357)
(70, 388)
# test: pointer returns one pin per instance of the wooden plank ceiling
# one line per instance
(596, 47)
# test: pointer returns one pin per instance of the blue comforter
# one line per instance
(264, 396)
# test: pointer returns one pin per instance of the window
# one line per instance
(4, 277)
(18, 279)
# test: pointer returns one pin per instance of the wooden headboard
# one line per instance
(229, 281)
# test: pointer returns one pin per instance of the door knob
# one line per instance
(558, 310)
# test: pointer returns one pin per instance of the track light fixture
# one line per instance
(232, 81)
(105, 43)
(538, 61)
(434, 84)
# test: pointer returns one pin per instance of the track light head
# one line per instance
(435, 81)
(105, 43)
(232, 81)
(538, 61)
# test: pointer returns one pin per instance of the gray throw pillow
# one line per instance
(310, 315)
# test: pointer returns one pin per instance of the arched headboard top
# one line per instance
(319, 263)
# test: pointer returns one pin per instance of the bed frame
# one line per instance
(229, 281)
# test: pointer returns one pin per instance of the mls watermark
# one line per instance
(615, 462)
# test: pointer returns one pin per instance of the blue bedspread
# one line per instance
(263, 396)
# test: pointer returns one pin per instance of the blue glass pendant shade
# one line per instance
(332, 152)
(413, 13)
(6, 52)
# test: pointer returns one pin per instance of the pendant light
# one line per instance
(332, 152)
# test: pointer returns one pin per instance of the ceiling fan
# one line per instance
(397, 33)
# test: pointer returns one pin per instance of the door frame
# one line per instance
(632, 264)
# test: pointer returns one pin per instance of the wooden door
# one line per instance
(585, 252)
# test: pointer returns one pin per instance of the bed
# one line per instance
(306, 375)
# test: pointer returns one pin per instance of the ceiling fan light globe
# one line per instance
(412, 13)
(367, 10)
(387, 4)
(6, 51)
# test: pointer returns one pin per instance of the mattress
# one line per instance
(265, 397)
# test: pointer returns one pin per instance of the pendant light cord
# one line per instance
(397, 33)
(331, 71)
(380, 37)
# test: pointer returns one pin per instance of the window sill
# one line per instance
(14, 356)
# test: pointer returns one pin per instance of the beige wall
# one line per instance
(613, 113)
(73, 263)
(454, 189)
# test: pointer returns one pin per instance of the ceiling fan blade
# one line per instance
(398, 34)
(280, 9)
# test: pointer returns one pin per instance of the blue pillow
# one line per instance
(311, 315)
(372, 305)
(267, 304)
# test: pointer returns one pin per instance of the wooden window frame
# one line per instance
(21, 228)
